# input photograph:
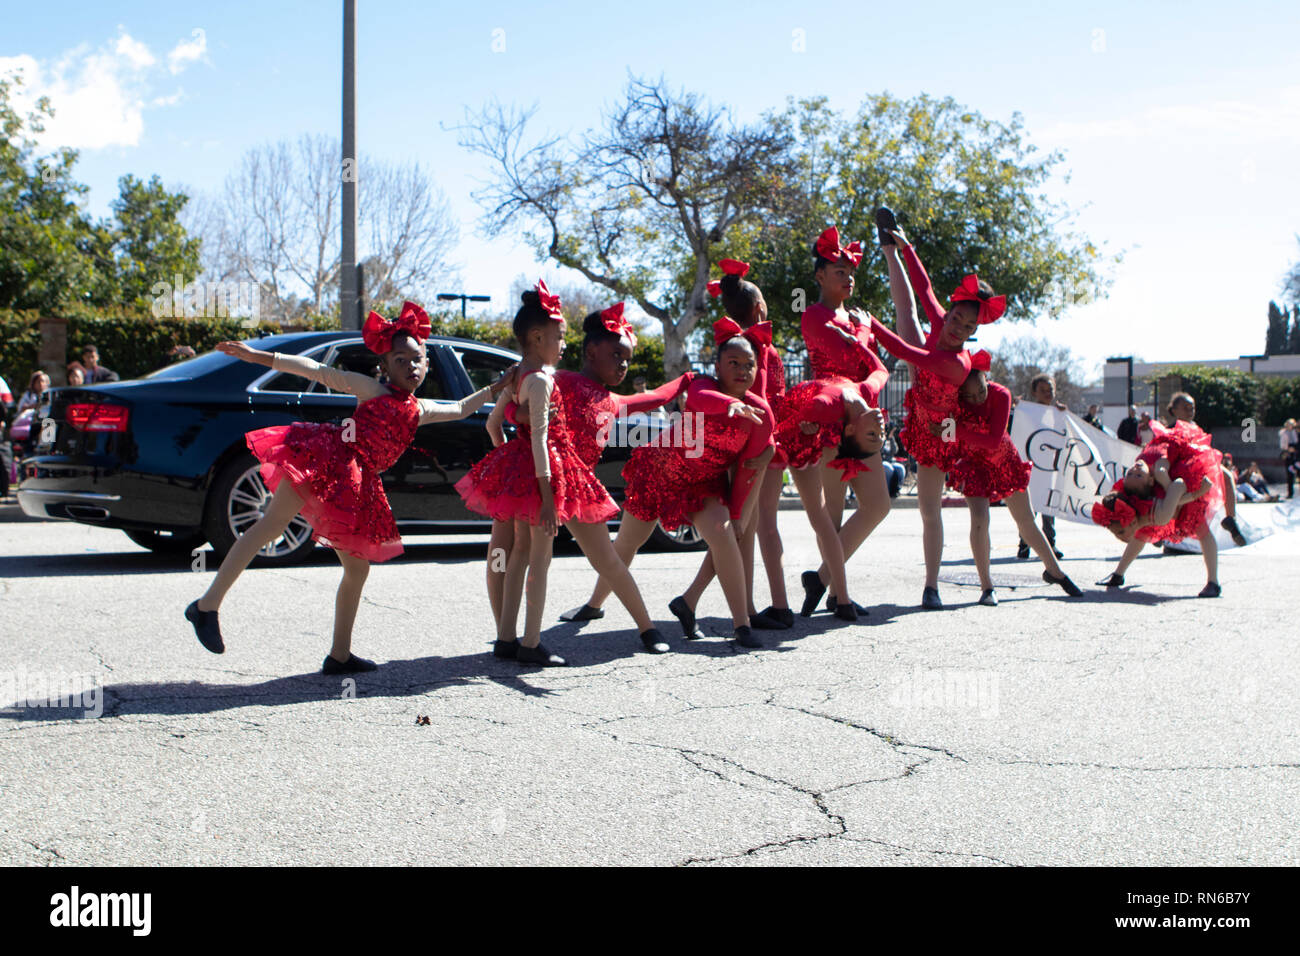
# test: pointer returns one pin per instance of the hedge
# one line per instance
(133, 345)
(1226, 397)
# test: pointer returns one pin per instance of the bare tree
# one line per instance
(408, 228)
(640, 205)
(276, 223)
(1018, 360)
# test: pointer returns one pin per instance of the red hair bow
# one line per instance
(378, 332)
(1122, 513)
(551, 303)
(730, 267)
(758, 335)
(969, 291)
(981, 360)
(614, 322)
(828, 247)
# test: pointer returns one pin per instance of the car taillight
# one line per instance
(98, 418)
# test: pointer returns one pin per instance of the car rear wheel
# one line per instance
(684, 538)
(238, 499)
(162, 542)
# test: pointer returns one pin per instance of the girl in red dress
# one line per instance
(539, 481)
(840, 342)
(608, 343)
(682, 481)
(824, 420)
(747, 316)
(940, 366)
(989, 468)
(1168, 494)
(331, 473)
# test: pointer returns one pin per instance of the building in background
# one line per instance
(1126, 382)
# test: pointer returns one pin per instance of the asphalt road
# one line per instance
(1142, 726)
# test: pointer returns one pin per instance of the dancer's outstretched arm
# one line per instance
(362, 386)
(655, 398)
(946, 365)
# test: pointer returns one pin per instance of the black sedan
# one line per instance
(163, 457)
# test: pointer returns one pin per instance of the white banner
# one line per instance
(1073, 462)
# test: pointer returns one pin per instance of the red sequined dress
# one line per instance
(989, 464)
(831, 355)
(932, 398)
(820, 401)
(503, 484)
(592, 409)
(339, 481)
(1191, 457)
(673, 480)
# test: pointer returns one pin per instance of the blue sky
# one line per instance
(1180, 121)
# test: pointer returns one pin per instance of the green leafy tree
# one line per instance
(1275, 343)
(47, 244)
(149, 244)
(968, 190)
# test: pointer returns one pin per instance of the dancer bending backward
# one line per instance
(606, 350)
(747, 315)
(1168, 495)
(940, 367)
(989, 468)
(330, 473)
(840, 342)
(824, 420)
(674, 484)
(538, 480)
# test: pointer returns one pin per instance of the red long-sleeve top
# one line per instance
(951, 367)
(830, 353)
(984, 426)
(729, 440)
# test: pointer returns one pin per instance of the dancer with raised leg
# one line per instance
(940, 366)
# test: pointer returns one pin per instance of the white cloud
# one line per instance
(1274, 118)
(133, 51)
(98, 96)
(188, 51)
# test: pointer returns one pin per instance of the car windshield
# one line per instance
(192, 368)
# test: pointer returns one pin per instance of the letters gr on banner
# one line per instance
(1073, 461)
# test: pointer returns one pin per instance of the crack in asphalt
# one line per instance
(46, 849)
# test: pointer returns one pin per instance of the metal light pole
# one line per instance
(349, 313)
(453, 296)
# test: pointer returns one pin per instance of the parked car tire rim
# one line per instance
(247, 503)
(685, 535)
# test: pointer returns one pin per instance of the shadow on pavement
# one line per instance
(86, 563)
